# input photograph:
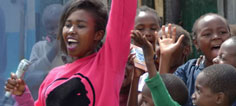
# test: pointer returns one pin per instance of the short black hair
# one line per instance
(176, 88)
(195, 25)
(95, 7)
(52, 11)
(148, 9)
(222, 78)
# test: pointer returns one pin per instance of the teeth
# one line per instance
(72, 40)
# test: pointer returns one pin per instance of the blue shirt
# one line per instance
(188, 73)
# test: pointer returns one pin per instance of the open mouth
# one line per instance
(72, 43)
(215, 47)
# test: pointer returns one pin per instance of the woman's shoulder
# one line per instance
(58, 69)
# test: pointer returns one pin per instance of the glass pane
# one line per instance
(20, 28)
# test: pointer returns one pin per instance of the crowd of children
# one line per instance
(95, 77)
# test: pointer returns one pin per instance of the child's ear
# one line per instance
(220, 98)
(99, 35)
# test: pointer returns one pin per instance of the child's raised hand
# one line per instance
(140, 39)
(167, 42)
(14, 85)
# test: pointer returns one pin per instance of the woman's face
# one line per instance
(212, 31)
(147, 24)
(79, 34)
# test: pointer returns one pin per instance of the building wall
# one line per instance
(227, 8)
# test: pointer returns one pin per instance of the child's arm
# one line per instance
(133, 92)
(167, 47)
(160, 95)
(158, 90)
(147, 50)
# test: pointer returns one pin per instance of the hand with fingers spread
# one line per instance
(167, 40)
(167, 47)
(15, 85)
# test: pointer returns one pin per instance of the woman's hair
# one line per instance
(152, 11)
(221, 78)
(95, 7)
(195, 25)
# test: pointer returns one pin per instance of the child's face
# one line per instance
(147, 24)
(203, 96)
(212, 31)
(146, 98)
(51, 27)
(227, 54)
(79, 33)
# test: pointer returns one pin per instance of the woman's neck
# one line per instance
(85, 55)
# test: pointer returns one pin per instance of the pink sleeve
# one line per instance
(24, 100)
(120, 24)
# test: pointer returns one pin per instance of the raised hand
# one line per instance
(14, 85)
(142, 41)
(167, 42)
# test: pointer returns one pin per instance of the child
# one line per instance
(179, 56)
(147, 22)
(45, 54)
(209, 32)
(125, 88)
(93, 78)
(163, 88)
(227, 52)
(215, 86)
(175, 86)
